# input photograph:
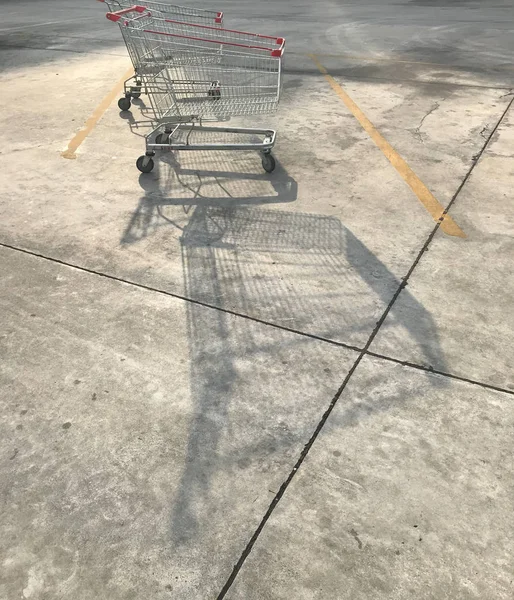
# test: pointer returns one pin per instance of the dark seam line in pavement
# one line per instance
(238, 566)
(312, 336)
(477, 157)
(431, 370)
(178, 297)
(285, 484)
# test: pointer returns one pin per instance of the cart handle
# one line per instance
(116, 16)
(258, 35)
(217, 19)
(275, 52)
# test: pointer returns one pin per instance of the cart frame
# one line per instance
(178, 47)
(132, 87)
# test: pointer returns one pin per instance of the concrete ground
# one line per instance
(220, 383)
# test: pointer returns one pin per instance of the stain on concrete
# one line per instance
(356, 537)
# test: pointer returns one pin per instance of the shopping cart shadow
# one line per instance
(140, 126)
(171, 185)
(293, 269)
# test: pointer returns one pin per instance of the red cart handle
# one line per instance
(275, 52)
(116, 16)
(249, 33)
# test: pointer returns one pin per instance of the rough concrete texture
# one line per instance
(479, 268)
(401, 497)
(159, 387)
(142, 437)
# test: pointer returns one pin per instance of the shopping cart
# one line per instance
(199, 73)
(133, 85)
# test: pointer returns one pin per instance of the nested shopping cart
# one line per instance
(133, 85)
(199, 73)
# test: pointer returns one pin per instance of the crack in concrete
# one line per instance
(417, 131)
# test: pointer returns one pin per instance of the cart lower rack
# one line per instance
(196, 73)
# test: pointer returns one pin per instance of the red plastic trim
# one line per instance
(277, 52)
(116, 16)
(279, 41)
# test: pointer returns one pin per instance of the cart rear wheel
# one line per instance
(124, 103)
(268, 163)
(145, 164)
(135, 92)
(162, 138)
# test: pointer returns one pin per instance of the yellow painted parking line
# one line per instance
(80, 136)
(424, 195)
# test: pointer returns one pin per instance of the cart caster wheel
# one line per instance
(124, 103)
(162, 138)
(145, 164)
(135, 92)
(268, 163)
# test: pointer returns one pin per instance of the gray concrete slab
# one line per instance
(466, 287)
(141, 437)
(438, 129)
(407, 492)
(144, 436)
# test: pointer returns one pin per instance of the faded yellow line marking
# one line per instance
(81, 135)
(424, 195)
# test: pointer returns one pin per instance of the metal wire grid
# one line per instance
(193, 38)
(176, 27)
(240, 93)
(196, 77)
(166, 11)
